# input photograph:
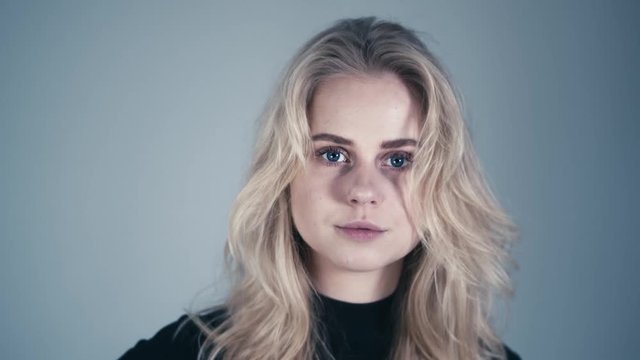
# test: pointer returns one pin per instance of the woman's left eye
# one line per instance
(398, 161)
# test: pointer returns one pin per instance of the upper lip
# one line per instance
(361, 225)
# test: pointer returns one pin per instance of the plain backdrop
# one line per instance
(127, 127)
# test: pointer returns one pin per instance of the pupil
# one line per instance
(333, 156)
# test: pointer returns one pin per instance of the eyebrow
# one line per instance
(385, 145)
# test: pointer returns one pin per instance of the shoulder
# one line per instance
(180, 339)
(511, 355)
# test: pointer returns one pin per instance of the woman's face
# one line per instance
(350, 204)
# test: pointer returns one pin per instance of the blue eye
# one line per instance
(398, 160)
(333, 156)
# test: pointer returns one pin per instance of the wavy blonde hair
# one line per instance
(448, 281)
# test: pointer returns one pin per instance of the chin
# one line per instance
(363, 263)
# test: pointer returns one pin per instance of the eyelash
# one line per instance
(320, 154)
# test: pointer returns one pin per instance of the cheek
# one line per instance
(401, 210)
(309, 199)
(312, 185)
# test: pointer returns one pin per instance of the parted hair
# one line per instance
(446, 291)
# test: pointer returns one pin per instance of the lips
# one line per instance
(366, 225)
(361, 230)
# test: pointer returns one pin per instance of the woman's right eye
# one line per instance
(332, 155)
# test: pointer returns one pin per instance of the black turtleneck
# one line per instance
(357, 331)
(351, 331)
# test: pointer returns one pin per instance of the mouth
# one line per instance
(360, 231)
(365, 225)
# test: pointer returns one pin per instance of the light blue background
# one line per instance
(126, 129)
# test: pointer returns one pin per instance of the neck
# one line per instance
(356, 286)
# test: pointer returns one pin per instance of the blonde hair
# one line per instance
(449, 280)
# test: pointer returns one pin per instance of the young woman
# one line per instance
(366, 229)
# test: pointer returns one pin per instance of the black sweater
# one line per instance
(353, 332)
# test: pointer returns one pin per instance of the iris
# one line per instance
(397, 161)
(333, 156)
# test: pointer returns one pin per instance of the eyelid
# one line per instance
(406, 154)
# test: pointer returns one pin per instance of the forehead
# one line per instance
(364, 108)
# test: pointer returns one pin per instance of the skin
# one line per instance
(358, 181)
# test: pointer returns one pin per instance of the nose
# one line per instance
(364, 187)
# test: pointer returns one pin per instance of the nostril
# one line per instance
(356, 201)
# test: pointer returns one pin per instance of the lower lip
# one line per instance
(360, 234)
